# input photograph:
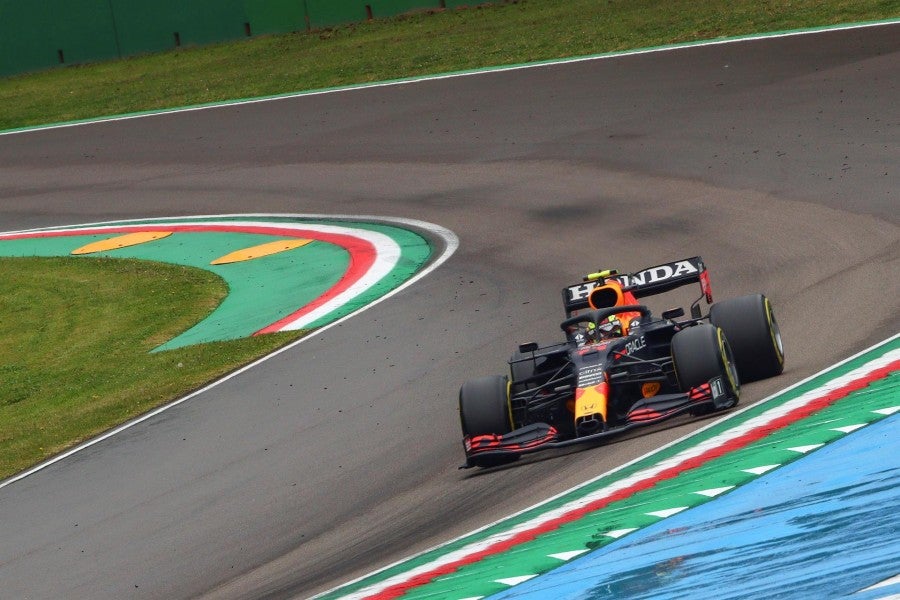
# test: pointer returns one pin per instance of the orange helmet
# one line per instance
(611, 294)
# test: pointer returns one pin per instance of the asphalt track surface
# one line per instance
(776, 160)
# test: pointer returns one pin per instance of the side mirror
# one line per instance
(529, 347)
(673, 313)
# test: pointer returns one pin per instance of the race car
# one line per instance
(620, 367)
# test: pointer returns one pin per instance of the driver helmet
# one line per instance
(588, 334)
(609, 328)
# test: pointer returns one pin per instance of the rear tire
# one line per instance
(753, 333)
(700, 353)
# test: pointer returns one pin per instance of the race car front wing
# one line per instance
(536, 437)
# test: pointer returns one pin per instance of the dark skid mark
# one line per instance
(567, 214)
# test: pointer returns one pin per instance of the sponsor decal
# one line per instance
(705, 286)
(661, 273)
(717, 389)
(581, 292)
(687, 268)
(589, 376)
(591, 348)
(635, 345)
(648, 390)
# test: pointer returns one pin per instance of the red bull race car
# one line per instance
(620, 367)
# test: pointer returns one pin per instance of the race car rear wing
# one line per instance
(647, 282)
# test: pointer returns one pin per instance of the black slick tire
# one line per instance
(700, 353)
(484, 406)
(750, 326)
(484, 410)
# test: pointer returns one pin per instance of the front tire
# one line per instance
(700, 353)
(484, 410)
(484, 406)
(753, 333)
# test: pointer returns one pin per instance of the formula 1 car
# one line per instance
(620, 367)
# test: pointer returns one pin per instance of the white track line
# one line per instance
(885, 583)
(481, 71)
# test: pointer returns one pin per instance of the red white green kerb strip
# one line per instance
(372, 256)
(743, 435)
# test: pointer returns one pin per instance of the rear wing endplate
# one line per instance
(646, 282)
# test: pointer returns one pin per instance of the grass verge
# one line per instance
(75, 341)
(416, 44)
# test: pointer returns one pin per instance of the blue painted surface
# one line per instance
(824, 526)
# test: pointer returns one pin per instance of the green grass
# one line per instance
(441, 41)
(75, 341)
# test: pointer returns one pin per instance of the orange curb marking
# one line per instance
(260, 251)
(122, 241)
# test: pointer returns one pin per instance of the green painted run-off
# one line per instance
(260, 291)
